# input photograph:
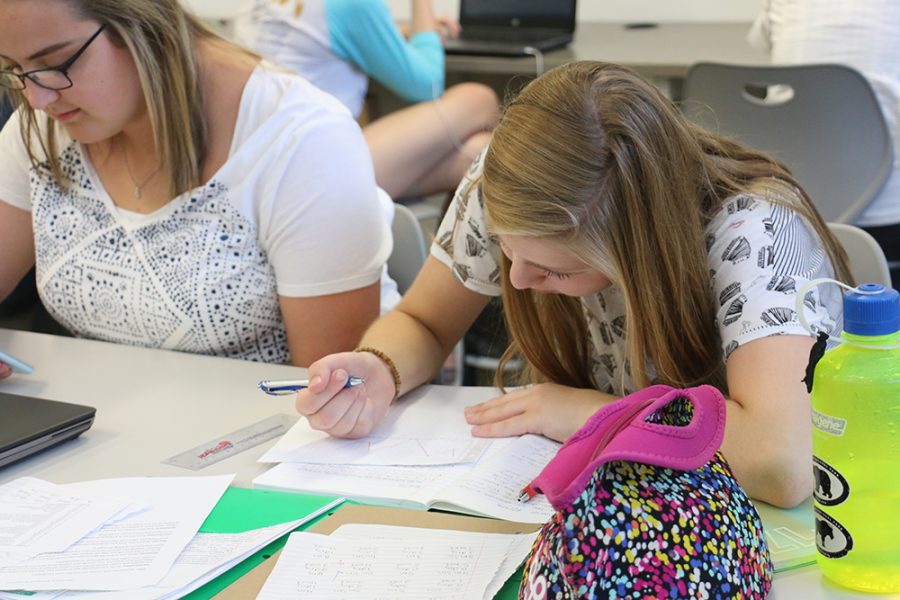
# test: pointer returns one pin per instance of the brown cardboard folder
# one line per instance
(250, 584)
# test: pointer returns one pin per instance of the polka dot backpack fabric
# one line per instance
(647, 507)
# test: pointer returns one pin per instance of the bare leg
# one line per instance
(446, 175)
(426, 148)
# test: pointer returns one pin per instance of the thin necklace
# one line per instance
(137, 186)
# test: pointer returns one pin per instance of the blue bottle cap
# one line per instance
(871, 309)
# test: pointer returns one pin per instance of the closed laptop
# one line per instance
(28, 425)
(513, 27)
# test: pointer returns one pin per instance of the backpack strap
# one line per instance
(621, 431)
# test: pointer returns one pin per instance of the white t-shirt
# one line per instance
(339, 44)
(759, 254)
(863, 34)
(294, 211)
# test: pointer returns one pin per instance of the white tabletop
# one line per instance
(151, 405)
(808, 584)
(154, 404)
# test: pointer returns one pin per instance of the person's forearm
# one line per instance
(422, 17)
(772, 462)
(413, 348)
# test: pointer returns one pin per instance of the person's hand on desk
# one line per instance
(5, 370)
(348, 412)
(548, 409)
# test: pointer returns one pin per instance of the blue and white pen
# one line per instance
(283, 388)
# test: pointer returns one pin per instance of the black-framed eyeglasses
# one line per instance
(50, 78)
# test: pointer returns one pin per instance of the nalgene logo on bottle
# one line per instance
(828, 424)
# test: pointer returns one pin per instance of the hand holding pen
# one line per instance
(340, 404)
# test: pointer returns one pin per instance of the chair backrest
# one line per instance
(410, 248)
(867, 261)
(823, 121)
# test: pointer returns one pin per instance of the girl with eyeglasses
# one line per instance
(629, 248)
(176, 192)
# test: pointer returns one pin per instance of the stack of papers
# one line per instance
(117, 538)
(381, 561)
(422, 455)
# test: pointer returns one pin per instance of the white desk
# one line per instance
(808, 584)
(154, 404)
(151, 405)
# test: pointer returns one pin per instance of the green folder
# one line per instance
(243, 509)
(510, 589)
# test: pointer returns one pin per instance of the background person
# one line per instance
(339, 44)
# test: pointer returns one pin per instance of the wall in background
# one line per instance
(588, 10)
(624, 11)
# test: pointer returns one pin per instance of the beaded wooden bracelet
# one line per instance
(395, 373)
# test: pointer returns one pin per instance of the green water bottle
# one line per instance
(856, 413)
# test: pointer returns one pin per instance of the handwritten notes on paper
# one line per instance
(395, 562)
(427, 428)
(489, 487)
(422, 455)
(375, 450)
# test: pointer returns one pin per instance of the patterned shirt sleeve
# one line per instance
(760, 255)
(462, 241)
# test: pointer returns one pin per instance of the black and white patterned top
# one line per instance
(293, 212)
(759, 254)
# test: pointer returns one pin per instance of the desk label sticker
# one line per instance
(220, 448)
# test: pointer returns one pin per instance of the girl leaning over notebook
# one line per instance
(630, 248)
(646, 268)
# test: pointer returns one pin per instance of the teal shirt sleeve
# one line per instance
(363, 32)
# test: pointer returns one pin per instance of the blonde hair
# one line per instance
(595, 158)
(160, 36)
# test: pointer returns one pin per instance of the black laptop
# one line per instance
(513, 27)
(28, 425)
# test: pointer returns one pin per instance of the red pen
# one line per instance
(527, 493)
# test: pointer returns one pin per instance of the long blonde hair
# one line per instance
(592, 156)
(161, 36)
